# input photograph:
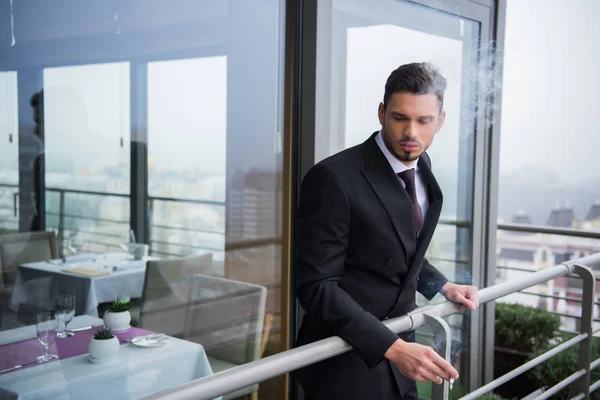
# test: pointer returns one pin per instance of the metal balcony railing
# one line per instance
(430, 316)
(61, 218)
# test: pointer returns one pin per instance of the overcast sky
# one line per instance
(551, 89)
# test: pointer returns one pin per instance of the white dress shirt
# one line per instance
(397, 166)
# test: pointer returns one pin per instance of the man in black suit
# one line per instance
(365, 219)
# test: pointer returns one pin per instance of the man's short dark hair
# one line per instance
(415, 78)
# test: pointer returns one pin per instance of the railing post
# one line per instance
(15, 202)
(61, 222)
(150, 222)
(442, 337)
(582, 385)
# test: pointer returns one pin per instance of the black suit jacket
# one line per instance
(358, 262)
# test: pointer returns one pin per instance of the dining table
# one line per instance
(92, 278)
(136, 371)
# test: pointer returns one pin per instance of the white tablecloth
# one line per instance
(137, 372)
(39, 283)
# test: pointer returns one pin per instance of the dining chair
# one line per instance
(166, 291)
(227, 318)
(21, 248)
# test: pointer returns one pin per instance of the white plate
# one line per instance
(150, 340)
(121, 330)
(101, 360)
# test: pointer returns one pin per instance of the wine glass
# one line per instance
(46, 328)
(74, 242)
(126, 237)
(65, 311)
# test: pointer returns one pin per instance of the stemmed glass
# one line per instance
(65, 311)
(46, 328)
(74, 242)
(126, 237)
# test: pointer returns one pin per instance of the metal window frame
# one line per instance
(485, 156)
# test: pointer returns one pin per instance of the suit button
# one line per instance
(415, 281)
(389, 263)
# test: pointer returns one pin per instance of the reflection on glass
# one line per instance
(161, 120)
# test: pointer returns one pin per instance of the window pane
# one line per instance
(159, 183)
(86, 129)
(187, 130)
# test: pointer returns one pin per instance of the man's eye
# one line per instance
(423, 121)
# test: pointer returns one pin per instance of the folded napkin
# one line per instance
(86, 272)
(74, 258)
(81, 257)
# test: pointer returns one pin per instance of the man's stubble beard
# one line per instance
(406, 157)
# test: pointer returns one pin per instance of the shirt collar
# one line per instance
(396, 165)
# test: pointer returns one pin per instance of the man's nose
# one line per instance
(410, 130)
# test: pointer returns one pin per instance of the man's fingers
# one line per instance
(460, 298)
(447, 370)
(474, 296)
(438, 371)
(430, 376)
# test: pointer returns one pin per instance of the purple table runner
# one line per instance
(26, 351)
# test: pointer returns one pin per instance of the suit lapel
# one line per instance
(432, 217)
(386, 185)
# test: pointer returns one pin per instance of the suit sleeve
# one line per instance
(430, 280)
(322, 235)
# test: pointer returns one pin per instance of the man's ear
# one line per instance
(441, 120)
(381, 113)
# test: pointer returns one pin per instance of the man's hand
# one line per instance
(463, 294)
(420, 363)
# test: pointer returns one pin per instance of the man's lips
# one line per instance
(409, 146)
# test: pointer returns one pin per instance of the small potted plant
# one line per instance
(104, 345)
(117, 317)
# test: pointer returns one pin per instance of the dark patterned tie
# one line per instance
(408, 177)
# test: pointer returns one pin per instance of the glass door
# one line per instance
(358, 45)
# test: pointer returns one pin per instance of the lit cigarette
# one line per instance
(451, 382)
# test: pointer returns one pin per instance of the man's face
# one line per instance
(409, 123)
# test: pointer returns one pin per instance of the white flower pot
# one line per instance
(103, 348)
(117, 321)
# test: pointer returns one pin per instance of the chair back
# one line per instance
(166, 292)
(21, 248)
(227, 318)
